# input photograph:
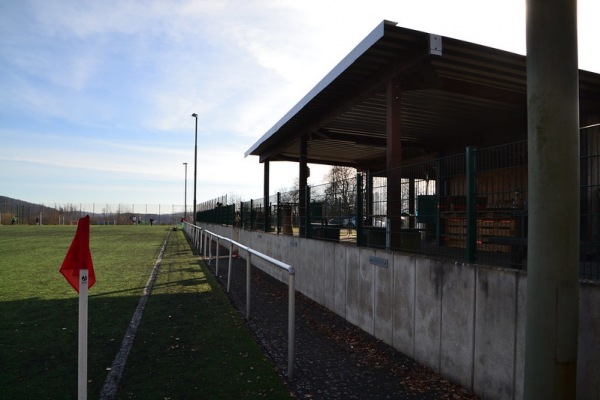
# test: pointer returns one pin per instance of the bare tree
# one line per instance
(235, 199)
(340, 192)
(290, 195)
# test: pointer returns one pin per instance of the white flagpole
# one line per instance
(83, 335)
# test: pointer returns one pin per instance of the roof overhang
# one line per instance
(454, 93)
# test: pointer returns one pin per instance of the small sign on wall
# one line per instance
(378, 261)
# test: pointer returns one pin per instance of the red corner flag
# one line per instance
(79, 256)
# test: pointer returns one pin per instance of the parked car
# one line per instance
(346, 222)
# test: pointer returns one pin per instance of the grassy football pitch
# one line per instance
(190, 342)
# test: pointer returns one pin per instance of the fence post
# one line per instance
(359, 209)
(251, 214)
(268, 213)
(307, 212)
(471, 205)
(278, 213)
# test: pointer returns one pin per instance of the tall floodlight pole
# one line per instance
(185, 194)
(195, 162)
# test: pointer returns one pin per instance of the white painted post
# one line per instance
(83, 331)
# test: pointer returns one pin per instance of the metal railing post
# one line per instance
(192, 230)
(200, 237)
(277, 263)
(217, 261)
(206, 242)
(291, 322)
(229, 267)
(248, 265)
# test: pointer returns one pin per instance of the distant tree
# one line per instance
(290, 195)
(235, 199)
(340, 191)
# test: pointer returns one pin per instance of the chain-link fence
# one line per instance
(470, 206)
(18, 212)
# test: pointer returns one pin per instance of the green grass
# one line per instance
(190, 343)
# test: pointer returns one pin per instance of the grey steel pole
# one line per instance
(553, 203)
(195, 162)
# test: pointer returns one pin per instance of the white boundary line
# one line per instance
(109, 390)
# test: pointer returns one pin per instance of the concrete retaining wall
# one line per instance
(466, 322)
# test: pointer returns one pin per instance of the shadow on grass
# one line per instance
(190, 344)
(38, 345)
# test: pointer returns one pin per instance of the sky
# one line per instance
(96, 97)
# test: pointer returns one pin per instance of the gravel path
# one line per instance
(334, 359)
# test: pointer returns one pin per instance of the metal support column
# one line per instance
(302, 182)
(359, 209)
(368, 198)
(267, 213)
(411, 202)
(471, 206)
(393, 163)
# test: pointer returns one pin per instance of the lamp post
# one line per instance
(185, 194)
(195, 162)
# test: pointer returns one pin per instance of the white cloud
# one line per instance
(120, 78)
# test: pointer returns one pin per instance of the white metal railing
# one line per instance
(202, 238)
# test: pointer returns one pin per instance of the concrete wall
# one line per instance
(466, 322)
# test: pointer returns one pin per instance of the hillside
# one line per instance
(24, 211)
(30, 213)
(10, 202)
